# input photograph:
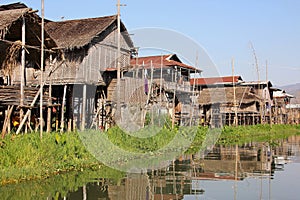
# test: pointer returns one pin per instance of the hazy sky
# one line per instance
(224, 28)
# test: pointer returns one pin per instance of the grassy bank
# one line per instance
(26, 157)
(229, 136)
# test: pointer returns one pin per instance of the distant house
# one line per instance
(281, 100)
(166, 68)
(171, 75)
(219, 104)
(209, 82)
(293, 111)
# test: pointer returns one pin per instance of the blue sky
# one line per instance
(224, 28)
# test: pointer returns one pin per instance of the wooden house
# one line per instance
(85, 64)
(219, 105)
(213, 82)
(20, 43)
(251, 102)
(279, 109)
(170, 76)
(81, 60)
(293, 113)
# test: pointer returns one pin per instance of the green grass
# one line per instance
(25, 157)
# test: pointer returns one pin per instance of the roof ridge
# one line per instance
(83, 19)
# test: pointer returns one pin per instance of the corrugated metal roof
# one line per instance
(215, 80)
(158, 60)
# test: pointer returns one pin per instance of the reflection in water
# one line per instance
(249, 171)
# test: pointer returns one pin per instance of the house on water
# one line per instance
(80, 63)
(171, 78)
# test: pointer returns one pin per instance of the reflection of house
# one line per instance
(135, 186)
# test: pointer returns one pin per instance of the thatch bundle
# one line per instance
(10, 61)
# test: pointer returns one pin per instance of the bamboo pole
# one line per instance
(234, 95)
(118, 61)
(49, 108)
(22, 70)
(7, 120)
(173, 107)
(42, 69)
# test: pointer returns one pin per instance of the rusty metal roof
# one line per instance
(216, 80)
(168, 60)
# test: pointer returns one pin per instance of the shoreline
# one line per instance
(26, 157)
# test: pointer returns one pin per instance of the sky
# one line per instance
(223, 29)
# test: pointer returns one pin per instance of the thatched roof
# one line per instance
(8, 17)
(77, 33)
(12, 6)
(226, 95)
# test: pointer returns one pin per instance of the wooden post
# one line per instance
(173, 108)
(7, 120)
(62, 119)
(22, 70)
(49, 108)
(42, 69)
(235, 121)
(84, 107)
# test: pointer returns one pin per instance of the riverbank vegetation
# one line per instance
(27, 157)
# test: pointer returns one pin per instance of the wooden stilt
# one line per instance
(7, 120)
(70, 125)
(62, 119)
(83, 107)
(56, 121)
(49, 108)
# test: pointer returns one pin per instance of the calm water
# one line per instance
(258, 172)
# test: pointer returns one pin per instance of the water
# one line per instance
(258, 172)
